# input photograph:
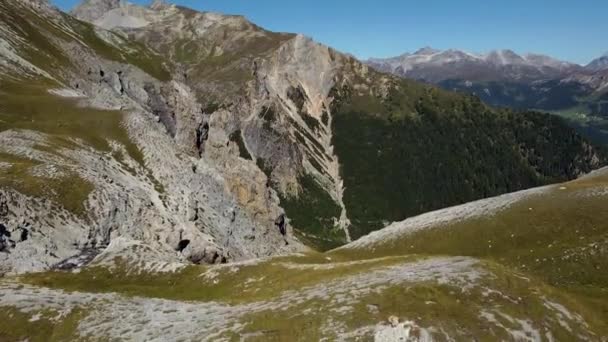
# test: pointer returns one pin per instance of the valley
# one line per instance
(168, 174)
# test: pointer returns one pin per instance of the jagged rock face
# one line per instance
(255, 76)
(167, 195)
(92, 10)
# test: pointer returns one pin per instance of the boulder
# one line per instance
(199, 252)
(192, 212)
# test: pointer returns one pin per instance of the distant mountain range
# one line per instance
(506, 79)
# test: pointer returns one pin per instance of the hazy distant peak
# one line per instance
(110, 14)
(91, 10)
(159, 4)
(427, 50)
(600, 63)
(504, 57)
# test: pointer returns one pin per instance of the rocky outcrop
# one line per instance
(177, 190)
(91, 10)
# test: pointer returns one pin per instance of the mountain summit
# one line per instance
(91, 10)
(598, 64)
(437, 65)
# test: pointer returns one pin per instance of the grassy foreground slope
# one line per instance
(523, 266)
(557, 234)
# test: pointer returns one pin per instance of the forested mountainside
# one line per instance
(502, 78)
(421, 149)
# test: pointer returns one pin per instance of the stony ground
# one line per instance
(369, 290)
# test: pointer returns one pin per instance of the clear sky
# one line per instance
(575, 31)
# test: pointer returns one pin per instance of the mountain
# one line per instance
(157, 160)
(598, 64)
(505, 79)
(434, 66)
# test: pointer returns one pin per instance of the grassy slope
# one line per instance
(19, 326)
(445, 307)
(31, 107)
(218, 64)
(560, 238)
(533, 256)
(41, 33)
(26, 104)
(533, 235)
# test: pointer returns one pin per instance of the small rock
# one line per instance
(394, 321)
(372, 308)
(3, 206)
(192, 210)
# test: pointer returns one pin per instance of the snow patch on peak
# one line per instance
(427, 50)
(504, 57)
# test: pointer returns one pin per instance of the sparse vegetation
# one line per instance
(40, 50)
(519, 235)
(451, 310)
(314, 213)
(68, 189)
(134, 53)
(310, 121)
(32, 107)
(48, 327)
(267, 279)
(412, 149)
(559, 237)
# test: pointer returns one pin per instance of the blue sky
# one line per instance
(567, 29)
